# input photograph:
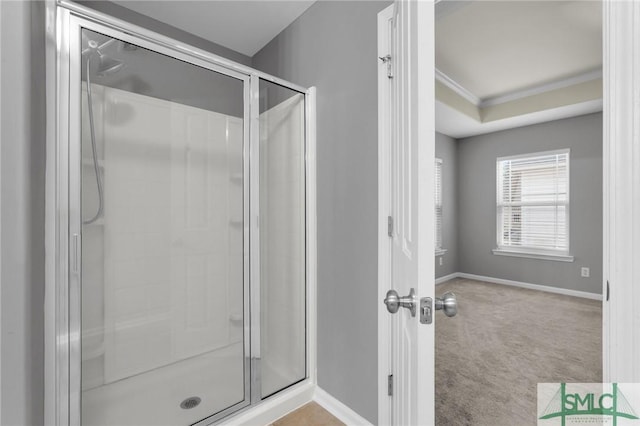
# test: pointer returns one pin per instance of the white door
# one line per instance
(406, 170)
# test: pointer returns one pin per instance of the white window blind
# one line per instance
(533, 202)
(438, 193)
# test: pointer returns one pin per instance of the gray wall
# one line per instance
(22, 159)
(333, 46)
(477, 202)
(446, 148)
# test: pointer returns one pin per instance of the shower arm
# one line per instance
(98, 48)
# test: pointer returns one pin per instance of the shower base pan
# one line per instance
(155, 397)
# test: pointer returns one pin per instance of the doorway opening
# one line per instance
(519, 204)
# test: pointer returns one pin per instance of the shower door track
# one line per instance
(65, 21)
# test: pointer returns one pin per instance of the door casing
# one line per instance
(621, 194)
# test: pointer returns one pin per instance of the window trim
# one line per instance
(528, 251)
(548, 255)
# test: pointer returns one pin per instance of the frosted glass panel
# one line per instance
(282, 237)
(162, 260)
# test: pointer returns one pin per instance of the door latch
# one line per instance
(447, 303)
(426, 310)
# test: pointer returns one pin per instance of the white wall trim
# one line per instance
(446, 278)
(543, 88)
(516, 94)
(532, 255)
(621, 187)
(338, 409)
(530, 286)
(273, 408)
(50, 214)
(456, 87)
(385, 18)
(290, 400)
(458, 125)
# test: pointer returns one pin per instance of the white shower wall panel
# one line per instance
(173, 256)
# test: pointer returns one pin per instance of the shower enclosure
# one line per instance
(182, 237)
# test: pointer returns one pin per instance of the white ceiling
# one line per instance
(493, 52)
(244, 26)
(493, 48)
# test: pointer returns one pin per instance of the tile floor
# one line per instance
(310, 414)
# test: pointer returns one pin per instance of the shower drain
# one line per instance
(190, 402)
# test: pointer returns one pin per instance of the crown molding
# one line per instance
(517, 94)
(547, 87)
(456, 124)
(460, 90)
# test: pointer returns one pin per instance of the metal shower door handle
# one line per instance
(394, 302)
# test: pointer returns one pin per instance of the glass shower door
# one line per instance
(164, 291)
(282, 237)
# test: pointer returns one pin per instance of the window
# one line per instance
(533, 204)
(438, 203)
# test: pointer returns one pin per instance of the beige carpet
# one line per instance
(504, 340)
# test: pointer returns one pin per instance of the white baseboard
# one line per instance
(548, 289)
(274, 408)
(338, 409)
(447, 278)
(291, 399)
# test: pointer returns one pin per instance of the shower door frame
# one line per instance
(75, 26)
(66, 20)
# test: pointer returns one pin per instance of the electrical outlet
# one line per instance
(440, 261)
(585, 272)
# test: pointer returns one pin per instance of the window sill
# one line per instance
(533, 255)
(440, 252)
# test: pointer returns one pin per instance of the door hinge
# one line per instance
(390, 384)
(607, 298)
(390, 226)
(387, 60)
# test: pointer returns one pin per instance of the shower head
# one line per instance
(108, 65)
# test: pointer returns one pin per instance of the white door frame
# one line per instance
(621, 195)
(621, 187)
(384, 247)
